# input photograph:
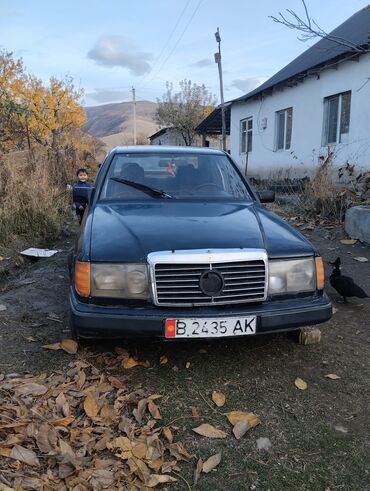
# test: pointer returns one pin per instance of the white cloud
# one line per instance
(204, 63)
(122, 52)
(105, 95)
(247, 84)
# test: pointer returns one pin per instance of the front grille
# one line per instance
(178, 284)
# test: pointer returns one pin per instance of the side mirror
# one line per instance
(266, 196)
(82, 195)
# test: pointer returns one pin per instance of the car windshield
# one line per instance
(178, 175)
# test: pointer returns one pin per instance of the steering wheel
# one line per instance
(209, 184)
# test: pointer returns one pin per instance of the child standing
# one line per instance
(82, 182)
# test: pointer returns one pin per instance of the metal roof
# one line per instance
(355, 30)
(160, 132)
(212, 124)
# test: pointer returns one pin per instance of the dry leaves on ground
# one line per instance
(218, 398)
(242, 422)
(209, 431)
(70, 346)
(83, 429)
(198, 471)
(332, 376)
(300, 384)
(348, 241)
(211, 463)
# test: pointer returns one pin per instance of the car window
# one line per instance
(181, 175)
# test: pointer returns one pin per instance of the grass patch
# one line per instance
(32, 204)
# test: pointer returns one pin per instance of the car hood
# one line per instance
(128, 232)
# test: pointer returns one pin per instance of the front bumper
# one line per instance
(96, 321)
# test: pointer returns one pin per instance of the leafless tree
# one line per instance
(185, 109)
(309, 29)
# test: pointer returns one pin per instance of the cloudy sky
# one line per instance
(108, 46)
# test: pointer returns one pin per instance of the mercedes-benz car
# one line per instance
(175, 244)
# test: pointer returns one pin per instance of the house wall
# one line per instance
(307, 100)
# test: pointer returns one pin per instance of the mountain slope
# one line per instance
(116, 120)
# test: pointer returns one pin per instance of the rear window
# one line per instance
(179, 175)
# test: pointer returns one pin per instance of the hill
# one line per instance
(114, 123)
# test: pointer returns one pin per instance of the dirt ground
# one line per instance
(319, 437)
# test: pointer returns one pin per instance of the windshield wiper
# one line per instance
(155, 193)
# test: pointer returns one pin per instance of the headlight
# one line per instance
(292, 276)
(119, 280)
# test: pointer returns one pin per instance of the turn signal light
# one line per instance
(320, 275)
(82, 278)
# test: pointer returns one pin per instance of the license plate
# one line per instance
(210, 327)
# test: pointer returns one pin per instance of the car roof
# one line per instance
(166, 149)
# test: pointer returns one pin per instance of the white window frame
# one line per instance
(325, 126)
(248, 135)
(277, 121)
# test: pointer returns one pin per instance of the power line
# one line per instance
(178, 41)
(171, 34)
(166, 43)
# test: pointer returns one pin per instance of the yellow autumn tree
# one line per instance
(12, 81)
(52, 110)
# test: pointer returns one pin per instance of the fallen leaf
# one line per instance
(156, 479)
(211, 463)
(54, 346)
(241, 428)
(197, 471)
(154, 410)
(236, 416)
(179, 451)
(47, 438)
(30, 339)
(140, 410)
(70, 346)
(209, 431)
(2, 258)
(66, 449)
(300, 384)
(24, 455)
(168, 434)
(187, 364)
(139, 450)
(218, 398)
(341, 429)
(195, 413)
(361, 259)
(131, 363)
(121, 447)
(163, 360)
(90, 405)
(263, 443)
(332, 376)
(32, 389)
(5, 452)
(62, 421)
(348, 241)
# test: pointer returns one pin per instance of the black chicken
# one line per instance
(344, 285)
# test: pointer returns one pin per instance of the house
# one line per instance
(318, 103)
(210, 128)
(171, 136)
(166, 136)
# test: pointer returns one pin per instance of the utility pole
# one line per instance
(218, 61)
(134, 101)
